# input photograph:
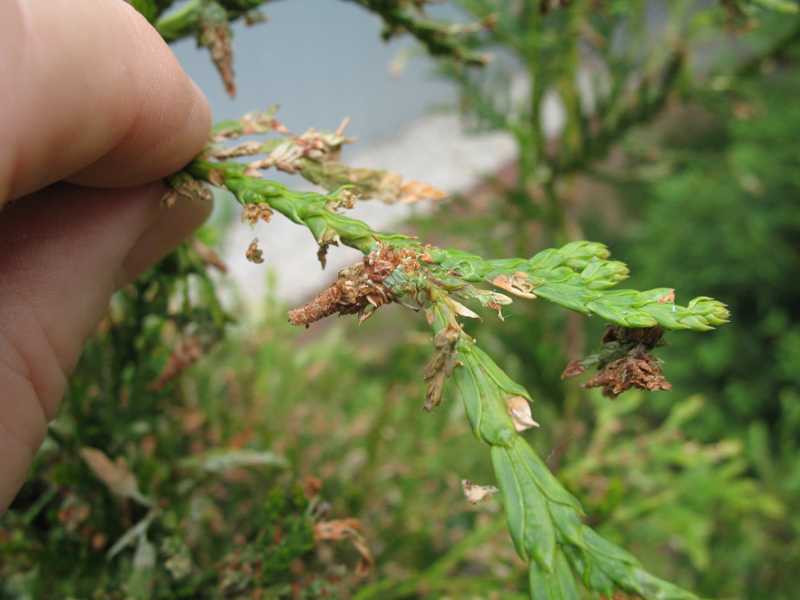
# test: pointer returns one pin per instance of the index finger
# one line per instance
(89, 91)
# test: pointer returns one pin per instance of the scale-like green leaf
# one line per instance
(578, 276)
(556, 585)
(529, 520)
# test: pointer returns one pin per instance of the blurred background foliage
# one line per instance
(290, 464)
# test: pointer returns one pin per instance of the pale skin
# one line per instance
(94, 111)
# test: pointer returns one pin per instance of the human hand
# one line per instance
(94, 108)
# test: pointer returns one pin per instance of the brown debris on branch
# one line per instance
(625, 362)
(254, 253)
(253, 213)
(186, 352)
(358, 288)
(216, 36)
(441, 365)
(638, 369)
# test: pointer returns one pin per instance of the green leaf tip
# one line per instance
(578, 276)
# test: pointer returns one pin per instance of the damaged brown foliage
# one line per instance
(358, 288)
(441, 365)
(347, 529)
(210, 258)
(625, 362)
(186, 352)
(637, 369)
(217, 38)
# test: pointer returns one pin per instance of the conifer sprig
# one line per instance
(577, 276)
(544, 519)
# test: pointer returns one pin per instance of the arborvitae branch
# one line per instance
(315, 156)
(577, 276)
(440, 39)
(544, 519)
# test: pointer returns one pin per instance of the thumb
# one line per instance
(66, 249)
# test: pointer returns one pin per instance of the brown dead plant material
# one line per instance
(573, 369)
(441, 365)
(358, 288)
(312, 486)
(254, 253)
(412, 191)
(116, 475)
(217, 38)
(208, 256)
(253, 213)
(187, 352)
(519, 409)
(187, 189)
(624, 362)
(347, 529)
(244, 149)
(638, 369)
(475, 493)
(518, 284)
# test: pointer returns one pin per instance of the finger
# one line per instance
(91, 92)
(65, 250)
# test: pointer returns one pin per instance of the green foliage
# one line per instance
(378, 457)
(398, 268)
(729, 192)
(541, 199)
(648, 483)
(543, 518)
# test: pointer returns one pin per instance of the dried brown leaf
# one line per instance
(244, 149)
(416, 191)
(462, 310)
(518, 284)
(115, 475)
(519, 408)
(208, 256)
(253, 213)
(254, 254)
(312, 486)
(187, 189)
(186, 352)
(475, 493)
(573, 369)
(638, 369)
(347, 529)
(441, 365)
(217, 38)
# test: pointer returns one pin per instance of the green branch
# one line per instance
(440, 39)
(544, 519)
(577, 276)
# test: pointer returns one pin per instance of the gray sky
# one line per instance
(320, 60)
